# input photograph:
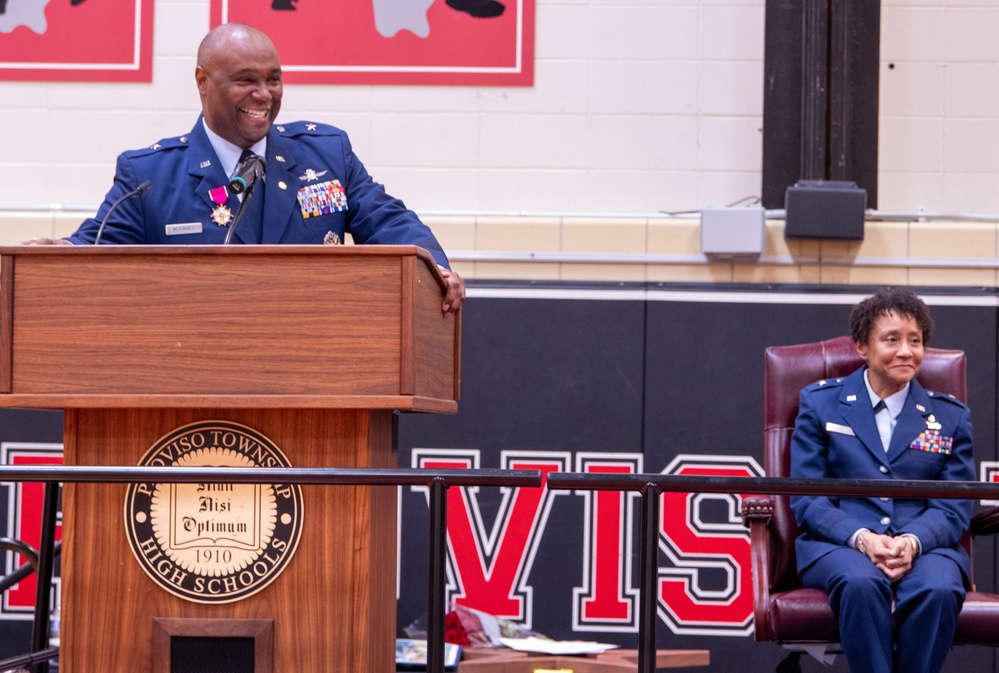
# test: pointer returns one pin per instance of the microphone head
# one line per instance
(247, 173)
(237, 185)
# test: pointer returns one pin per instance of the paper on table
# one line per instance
(556, 646)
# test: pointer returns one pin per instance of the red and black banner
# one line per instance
(468, 42)
(76, 40)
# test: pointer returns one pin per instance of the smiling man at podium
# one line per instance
(238, 176)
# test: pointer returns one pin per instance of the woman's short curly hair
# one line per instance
(897, 300)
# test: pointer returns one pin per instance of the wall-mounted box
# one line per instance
(825, 209)
(733, 233)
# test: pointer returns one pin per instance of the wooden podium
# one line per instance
(310, 346)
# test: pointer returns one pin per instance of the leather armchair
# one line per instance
(784, 612)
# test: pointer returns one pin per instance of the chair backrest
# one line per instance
(788, 369)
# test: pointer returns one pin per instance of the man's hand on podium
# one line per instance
(455, 291)
(46, 241)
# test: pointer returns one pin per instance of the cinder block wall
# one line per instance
(638, 107)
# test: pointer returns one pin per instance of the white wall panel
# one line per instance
(638, 105)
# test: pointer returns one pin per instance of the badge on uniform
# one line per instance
(840, 429)
(932, 441)
(311, 175)
(322, 199)
(221, 215)
(331, 238)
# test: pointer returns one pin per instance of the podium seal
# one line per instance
(213, 542)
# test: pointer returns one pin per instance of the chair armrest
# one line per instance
(985, 522)
(757, 510)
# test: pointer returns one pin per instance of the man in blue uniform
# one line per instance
(879, 423)
(314, 189)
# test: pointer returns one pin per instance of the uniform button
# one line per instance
(885, 520)
(884, 470)
(884, 499)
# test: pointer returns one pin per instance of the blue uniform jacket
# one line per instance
(303, 160)
(836, 436)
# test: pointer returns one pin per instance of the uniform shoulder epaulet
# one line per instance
(159, 146)
(305, 128)
(825, 384)
(945, 397)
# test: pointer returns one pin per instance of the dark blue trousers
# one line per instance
(927, 601)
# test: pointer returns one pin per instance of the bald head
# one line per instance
(239, 81)
(224, 37)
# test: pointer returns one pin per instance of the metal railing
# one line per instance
(436, 481)
(651, 486)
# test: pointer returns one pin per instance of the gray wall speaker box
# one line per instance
(733, 233)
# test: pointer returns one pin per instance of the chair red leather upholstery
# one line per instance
(784, 612)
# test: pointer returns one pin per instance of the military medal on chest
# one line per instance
(221, 215)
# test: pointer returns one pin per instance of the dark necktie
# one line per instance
(243, 158)
(883, 418)
(251, 223)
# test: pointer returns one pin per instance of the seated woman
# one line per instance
(879, 423)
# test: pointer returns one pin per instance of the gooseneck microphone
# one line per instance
(247, 175)
(127, 195)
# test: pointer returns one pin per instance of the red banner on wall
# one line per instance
(76, 40)
(470, 42)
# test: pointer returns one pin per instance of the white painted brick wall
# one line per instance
(939, 146)
(639, 106)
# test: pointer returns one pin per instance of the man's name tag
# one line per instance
(841, 429)
(183, 228)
